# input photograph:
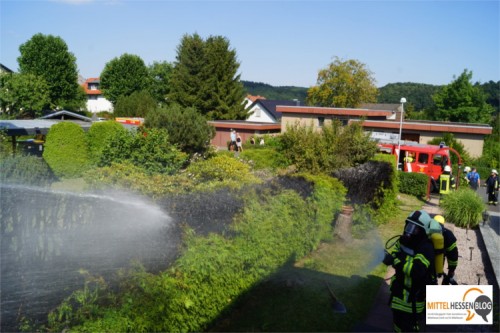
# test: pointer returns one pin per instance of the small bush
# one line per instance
(66, 150)
(25, 169)
(221, 170)
(413, 183)
(99, 134)
(263, 158)
(463, 208)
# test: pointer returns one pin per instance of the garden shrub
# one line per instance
(66, 150)
(413, 183)
(149, 149)
(220, 171)
(215, 270)
(263, 158)
(463, 208)
(25, 169)
(126, 176)
(187, 128)
(99, 135)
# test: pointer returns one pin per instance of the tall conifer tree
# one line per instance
(205, 77)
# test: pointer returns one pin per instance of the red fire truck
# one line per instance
(422, 158)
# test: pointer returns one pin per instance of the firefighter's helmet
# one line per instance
(447, 168)
(418, 218)
(467, 169)
(439, 218)
(494, 171)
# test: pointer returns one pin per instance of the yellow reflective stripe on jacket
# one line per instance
(451, 247)
(401, 305)
(422, 259)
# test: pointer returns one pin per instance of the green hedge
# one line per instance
(25, 169)
(66, 150)
(98, 136)
(413, 183)
(215, 270)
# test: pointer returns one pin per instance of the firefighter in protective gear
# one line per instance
(413, 262)
(450, 251)
(446, 181)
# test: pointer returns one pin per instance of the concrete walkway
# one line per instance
(379, 318)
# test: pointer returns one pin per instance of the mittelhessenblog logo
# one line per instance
(459, 305)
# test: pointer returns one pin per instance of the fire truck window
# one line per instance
(436, 160)
(423, 158)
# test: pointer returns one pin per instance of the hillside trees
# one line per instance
(123, 76)
(48, 57)
(23, 95)
(417, 94)
(343, 84)
(460, 101)
(205, 77)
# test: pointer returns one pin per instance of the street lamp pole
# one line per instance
(402, 101)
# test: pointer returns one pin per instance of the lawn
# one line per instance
(296, 298)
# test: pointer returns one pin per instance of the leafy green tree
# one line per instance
(186, 127)
(205, 77)
(460, 101)
(149, 149)
(138, 104)
(99, 134)
(160, 73)
(23, 95)
(491, 90)
(66, 150)
(48, 57)
(343, 84)
(491, 149)
(124, 75)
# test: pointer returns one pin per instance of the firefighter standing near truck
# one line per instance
(413, 262)
(446, 181)
(450, 251)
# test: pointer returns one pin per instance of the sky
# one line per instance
(281, 43)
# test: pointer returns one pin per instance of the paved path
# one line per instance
(380, 317)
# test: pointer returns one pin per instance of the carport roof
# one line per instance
(33, 126)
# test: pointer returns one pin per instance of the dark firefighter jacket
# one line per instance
(413, 272)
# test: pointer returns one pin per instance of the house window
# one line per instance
(321, 121)
(257, 112)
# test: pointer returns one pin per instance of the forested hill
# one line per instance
(418, 94)
(285, 93)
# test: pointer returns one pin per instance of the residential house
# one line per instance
(96, 102)
(5, 69)
(264, 110)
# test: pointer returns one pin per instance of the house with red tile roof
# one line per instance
(96, 102)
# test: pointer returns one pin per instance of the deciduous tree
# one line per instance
(343, 84)
(138, 104)
(123, 76)
(48, 57)
(23, 95)
(460, 101)
(160, 73)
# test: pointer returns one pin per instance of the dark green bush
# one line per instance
(137, 104)
(99, 134)
(413, 183)
(25, 169)
(463, 208)
(66, 150)
(149, 149)
(187, 128)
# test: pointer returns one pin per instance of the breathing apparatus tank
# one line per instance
(436, 236)
(434, 232)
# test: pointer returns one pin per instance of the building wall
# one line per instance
(97, 103)
(304, 120)
(258, 114)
